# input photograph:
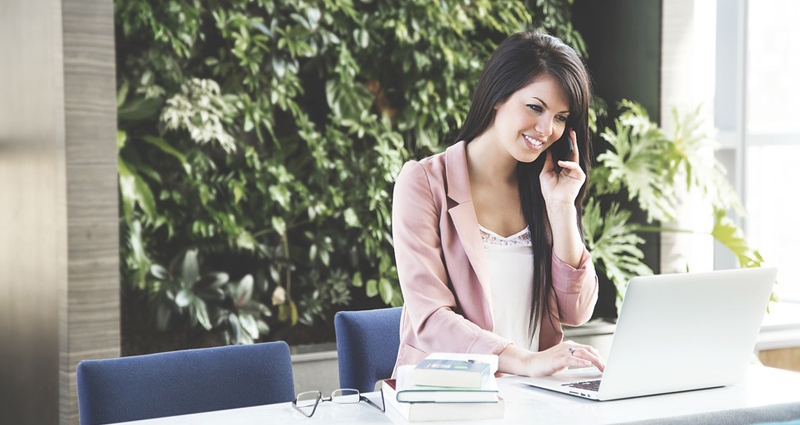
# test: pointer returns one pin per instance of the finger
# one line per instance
(591, 353)
(593, 358)
(573, 170)
(566, 361)
(572, 360)
(588, 348)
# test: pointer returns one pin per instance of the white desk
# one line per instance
(767, 395)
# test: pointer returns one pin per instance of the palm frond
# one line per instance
(614, 245)
(642, 161)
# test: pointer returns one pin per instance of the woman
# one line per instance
(487, 235)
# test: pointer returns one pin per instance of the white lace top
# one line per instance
(511, 272)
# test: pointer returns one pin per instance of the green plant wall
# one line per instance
(258, 142)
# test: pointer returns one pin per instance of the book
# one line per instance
(492, 359)
(451, 373)
(424, 412)
(406, 391)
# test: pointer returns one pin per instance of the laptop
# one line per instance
(676, 332)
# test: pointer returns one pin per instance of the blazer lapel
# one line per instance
(466, 222)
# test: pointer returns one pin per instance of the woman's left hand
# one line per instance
(562, 186)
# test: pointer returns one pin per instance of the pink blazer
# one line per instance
(443, 272)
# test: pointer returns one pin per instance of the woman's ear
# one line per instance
(499, 104)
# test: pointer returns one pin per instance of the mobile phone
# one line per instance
(562, 149)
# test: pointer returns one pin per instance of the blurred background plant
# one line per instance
(648, 167)
(258, 142)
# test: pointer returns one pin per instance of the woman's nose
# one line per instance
(544, 127)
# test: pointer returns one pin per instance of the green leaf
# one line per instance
(139, 109)
(351, 218)
(190, 267)
(729, 234)
(293, 312)
(249, 325)
(244, 290)
(642, 160)
(236, 331)
(347, 100)
(184, 298)
(200, 312)
(357, 282)
(614, 245)
(134, 191)
(245, 240)
(279, 225)
(159, 271)
(122, 137)
(213, 280)
(122, 92)
(287, 312)
(372, 288)
(166, 148)
(386, 290)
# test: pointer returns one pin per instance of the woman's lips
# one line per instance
(532, 143)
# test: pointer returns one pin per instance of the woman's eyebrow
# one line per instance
(545, 105)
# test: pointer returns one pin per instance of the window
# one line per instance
(757, 94)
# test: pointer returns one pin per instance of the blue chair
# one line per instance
(182, 382)
(366, 342)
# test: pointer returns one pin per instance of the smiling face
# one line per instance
(531, 119)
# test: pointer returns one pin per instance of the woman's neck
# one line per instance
(489, 164)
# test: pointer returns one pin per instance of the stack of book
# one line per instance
(446, 386)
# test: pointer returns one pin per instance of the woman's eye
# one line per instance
(533, 107)
(561, 118)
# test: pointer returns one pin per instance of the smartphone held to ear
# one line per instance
(562, 149)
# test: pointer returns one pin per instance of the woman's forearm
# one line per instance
(567, 239)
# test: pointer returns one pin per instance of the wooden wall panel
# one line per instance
(782, 358)
(92, 309)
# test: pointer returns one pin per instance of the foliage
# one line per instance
(260, 139)
(210, 299)
(648, 166)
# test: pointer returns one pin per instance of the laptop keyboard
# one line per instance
(593, 385)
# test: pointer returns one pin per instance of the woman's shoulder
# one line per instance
(431, 174)
(437, 163)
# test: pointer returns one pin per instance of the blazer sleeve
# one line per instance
(575, 289)
(428, 298)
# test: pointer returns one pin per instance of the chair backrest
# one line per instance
(183, 382)
(366, 342)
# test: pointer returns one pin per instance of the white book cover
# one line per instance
(492, 359)
(408, 392)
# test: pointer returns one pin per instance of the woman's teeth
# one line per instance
(532, 141)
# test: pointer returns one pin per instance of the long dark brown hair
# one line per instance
(518, 61)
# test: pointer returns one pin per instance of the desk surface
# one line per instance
(767, 395)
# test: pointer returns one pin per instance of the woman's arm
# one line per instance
(575, 289)
(574, 278)
(559, 190)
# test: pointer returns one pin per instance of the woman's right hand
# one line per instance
(566, 354)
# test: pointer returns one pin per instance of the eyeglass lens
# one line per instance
(307, 402)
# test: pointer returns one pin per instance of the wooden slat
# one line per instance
(91, 168)
(783, 358)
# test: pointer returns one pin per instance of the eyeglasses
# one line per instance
(307, 402)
